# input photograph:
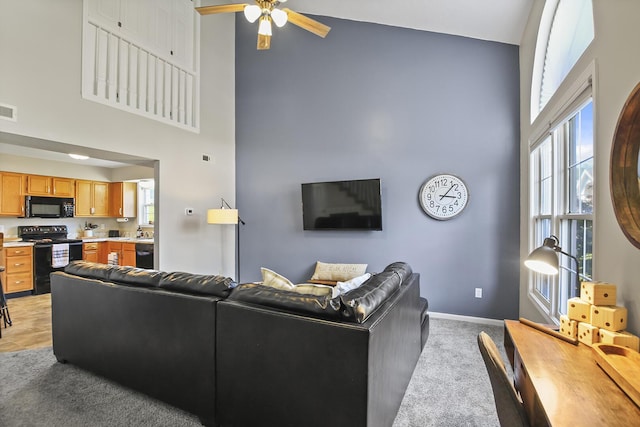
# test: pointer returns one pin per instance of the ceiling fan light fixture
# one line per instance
(252, 12)
(279, 17)
(265, 26)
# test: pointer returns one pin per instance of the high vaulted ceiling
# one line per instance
(494, 20)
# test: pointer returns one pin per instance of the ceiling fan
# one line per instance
(267, 11)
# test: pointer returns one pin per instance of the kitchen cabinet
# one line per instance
(18, 263)
(90, 251)
(123, 198)
(92, 198)
(11, 194)
(126, 252)
(39, 185)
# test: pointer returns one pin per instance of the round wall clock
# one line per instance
(443, 196)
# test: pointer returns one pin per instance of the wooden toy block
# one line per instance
(611, 318)
(622, 338)
(568, 327)
(579, 310)
(588, 334)
(598, 293)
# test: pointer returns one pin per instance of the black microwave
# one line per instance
(49, 207)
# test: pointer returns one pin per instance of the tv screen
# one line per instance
(342, 205)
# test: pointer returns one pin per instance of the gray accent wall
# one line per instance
(373, 101)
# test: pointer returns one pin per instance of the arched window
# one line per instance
(566, 30)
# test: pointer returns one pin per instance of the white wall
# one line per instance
(614, 51)
(40, 47)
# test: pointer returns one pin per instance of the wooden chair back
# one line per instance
(508, 404)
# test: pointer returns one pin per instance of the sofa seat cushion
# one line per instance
(198, 284)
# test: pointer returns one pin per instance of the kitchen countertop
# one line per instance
(17, 243)
(116, 239)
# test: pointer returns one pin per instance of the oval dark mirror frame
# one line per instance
(625, 188)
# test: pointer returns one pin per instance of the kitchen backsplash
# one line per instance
(76, 226)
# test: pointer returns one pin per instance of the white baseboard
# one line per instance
(481, 320)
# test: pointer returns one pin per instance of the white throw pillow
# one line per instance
(338, 272)
(354, 283)
(275, 280)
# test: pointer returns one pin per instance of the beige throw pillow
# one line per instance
(275, 280)
(338, 272)
(318, 290)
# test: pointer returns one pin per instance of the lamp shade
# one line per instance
(252, 12)
(279, 17)
(543, 260)
(222, 216)
(264, 28)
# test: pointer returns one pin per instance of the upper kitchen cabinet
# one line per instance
(123, 199)
(39, 185)
(92, 198)
(11, 194)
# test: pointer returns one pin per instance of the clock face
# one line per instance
(443, 196)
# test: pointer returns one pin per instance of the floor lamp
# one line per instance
(227, 215)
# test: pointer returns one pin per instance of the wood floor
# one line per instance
(31, 328)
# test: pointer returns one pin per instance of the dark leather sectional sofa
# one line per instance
(246, 355)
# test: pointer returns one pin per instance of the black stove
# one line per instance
(52, 251)
(43, 234)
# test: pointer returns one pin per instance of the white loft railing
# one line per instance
(121, 74)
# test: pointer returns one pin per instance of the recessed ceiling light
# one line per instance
(78, 156)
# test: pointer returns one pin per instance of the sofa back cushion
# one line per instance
(402, 269)
(219, 286)
(320, 305)
(90, 270)
(196, 284)
(355, 305)
(136, 276)
(361, 302)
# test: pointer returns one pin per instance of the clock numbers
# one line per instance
(443, 196)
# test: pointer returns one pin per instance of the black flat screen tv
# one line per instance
(342, 205)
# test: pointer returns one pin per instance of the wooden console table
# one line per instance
(561, 384)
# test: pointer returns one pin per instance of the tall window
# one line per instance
(566, 30)
(562, 204)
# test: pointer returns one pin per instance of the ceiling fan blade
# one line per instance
(264, 42)
(223, 8)
(306, 23)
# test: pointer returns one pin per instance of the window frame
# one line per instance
(557, 134)
(144, 186)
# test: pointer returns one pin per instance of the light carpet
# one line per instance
(450, 387)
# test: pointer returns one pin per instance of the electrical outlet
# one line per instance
(478, 292)
(188, 211)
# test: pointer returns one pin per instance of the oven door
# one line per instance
(43, 265)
